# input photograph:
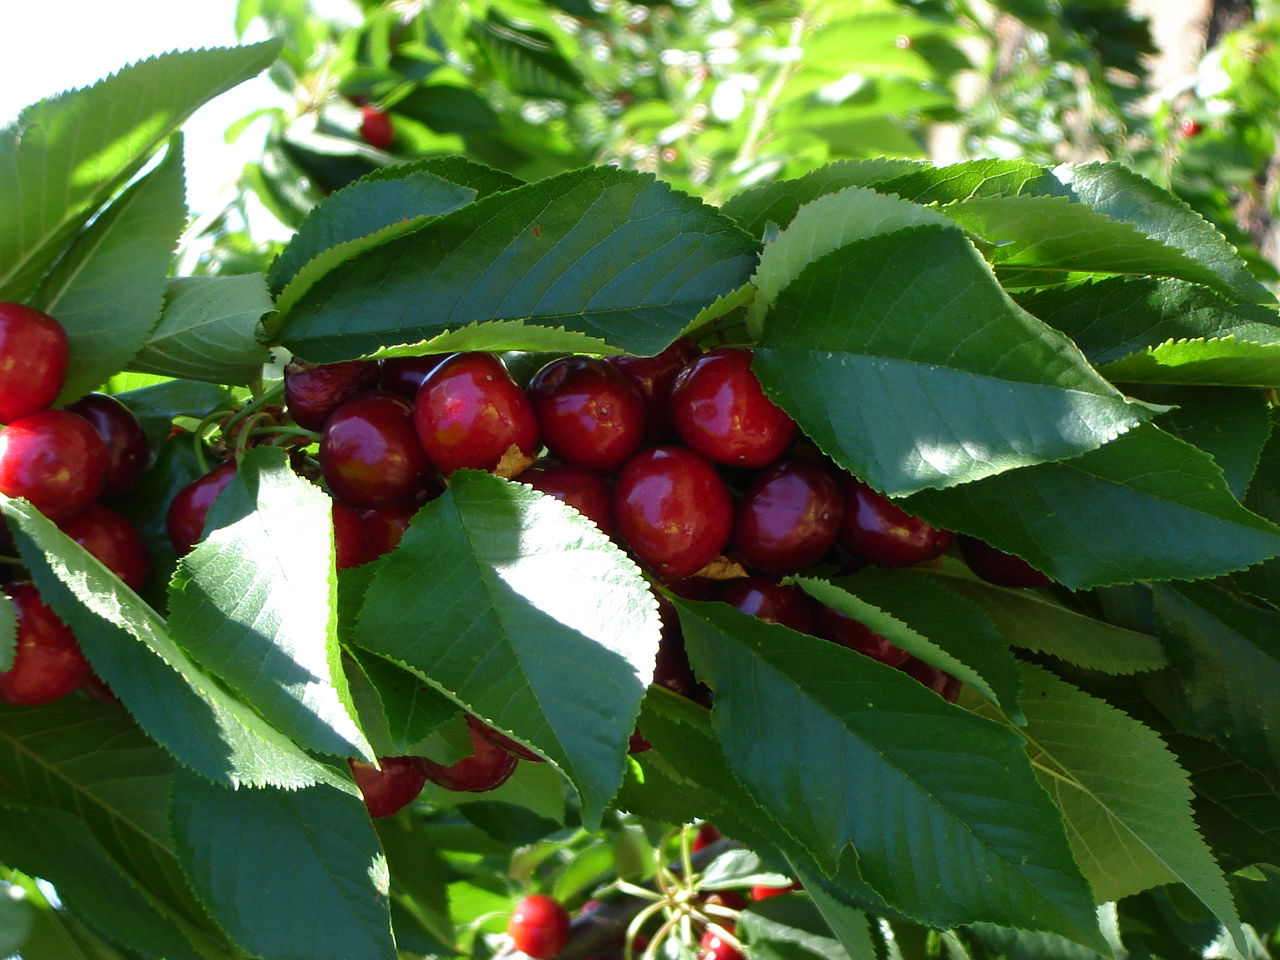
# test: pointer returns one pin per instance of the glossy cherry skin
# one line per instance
(127, 452)
(369, 451)
(719, 410)
(878, 530)
(391, 786)
(995, 566)
(190, 508)
(652, 378)
(673, 510)
(404, 375)
(488, 768)
(312, 392)
(713, 947)
(935, 678)
(500, 739)
(114, 540)
(766, 599)
(843, 629)
(33, 360)
(375, 128)
(539, 927)
(350, 540)
(384, 526)
(584, 490)
(764, 893)
(707, 835)
(469, 412)
(788, 517)
(55, 459)
(47, 662)
(589, 414)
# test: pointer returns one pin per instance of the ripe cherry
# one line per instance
(33, 360)
(350, 541)
(998, 567)
(707, 835)
(47, 663)
(788, 517)
(730, 899)
(312, 392)
(589, 414)
(671, 666)
(122, 434)
(190, 508)
(55, 459)
(384, 526)
(764, 893)
(375, 128)
(584, 490)
(404, 375)
(488, 768)
(539, 927)
(500, 739)
(771, 601)
(719, 410)
(653, 377)
(845, 630)
(673, 510)
(469, 412)
(1190, 128)
(369, 452)
(876, 529)
(715, 947)
(935, 678)
(391, 786)
(113, 540)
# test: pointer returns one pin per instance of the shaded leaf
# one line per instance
(1223, 362)
(1230, 424)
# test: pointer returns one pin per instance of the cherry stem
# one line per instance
(16, 561)
(254, 405)
(285, 433)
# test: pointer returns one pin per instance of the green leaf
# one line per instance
(849, 925)
(506, 600)
(107, 289)
(497, 336)
(63, 158)
(456, 169)
(8, 632)
(254, 603)
(1146, 507)
(289, 874)
(526, 62)
(1230, 424)
(157, 405)
(16, 919)
(939, 806)
(790, 928)
(209, 330)
(975, 178)
(397, 710)
(905, 361)
(613, 254)
(1226, 362)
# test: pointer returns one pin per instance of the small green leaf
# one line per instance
(975, 178)
(1225, 362)
(500, 335)
(464, 172)
(790, 928)
(526, 61)
(157, 405)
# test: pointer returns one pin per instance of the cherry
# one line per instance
(637, 743)
(935, 678)
(33, 360)
(672, 508)
(120, 430)
(190, 508)
(707, 835)
(404, 375)
(770, 601)
(350, 540)
(113, 540)
(47, 663)
(369, 452)
(1190, 128)
(55, 459)
(998, 567)
(764, 893)
(730, 899)
(500, 739)
(375, 128)
(312, 392)
(652, 378)
(671, 666)
(589, 414)
(719, 410)
(391, 786)
(469, 412)
(876, 529)
(384, 526)
(714, 947)
(845, 630)
(488, 767)
(539, 926)
(584, 490)
(788, 517)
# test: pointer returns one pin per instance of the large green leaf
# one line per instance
(64, 157)
(791, 928)
(613, 254)
(254, 603)
(507, 600)
(907, 363)
(975, 178)
(1225, 362)
(289, 874)
(1231, 424)
(397, 710)
(939, 805)
(465, 172)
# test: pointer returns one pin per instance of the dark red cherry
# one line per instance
(33, 360)
(845, 630)
(404, 375)
(126, 444)
(936, 679)
(876, 529)
(350, 541)
(539, 927)
(637, 743)
(488, 768)
(788, 517)
(589, 414)
(384, 526)
(719, 410)
(469, 412)
(391, 786)
(771, 601)
(312, 392)
(190, 508)
(500, 739)
(998, 567)
(730, 899)
(47, 662)
(707, 835)
(375, 128)
(671, 666)
(584, 490)
(369, 451)
(715, 947)
(673, 510)
(55, 459)
(114, 540)
(653, 377)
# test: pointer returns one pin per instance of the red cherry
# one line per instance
(935, 678)
(488, 767)
(384, 526)
(113, 540)
(714, 947)
(730, 899)
(190, 508)
(369, 452)
(876, 529)
(589, 414)
(998, 567)
(771, 601)
(539, 927)
(33, 360)
(584, 490)
(469, 412)
(126, 444)
(719, 410)
(637, 743)
(375, 128)
(1190, 128)
(707, 835)
(312, 392)
(673, 510)
(788, 517)
(404, 375)
(391, 786)
(47, 663)
(764, 893)
(500, 739)
(350, 541)
(671, 666)
(55, 459)
(845, 630)
(652, 378)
